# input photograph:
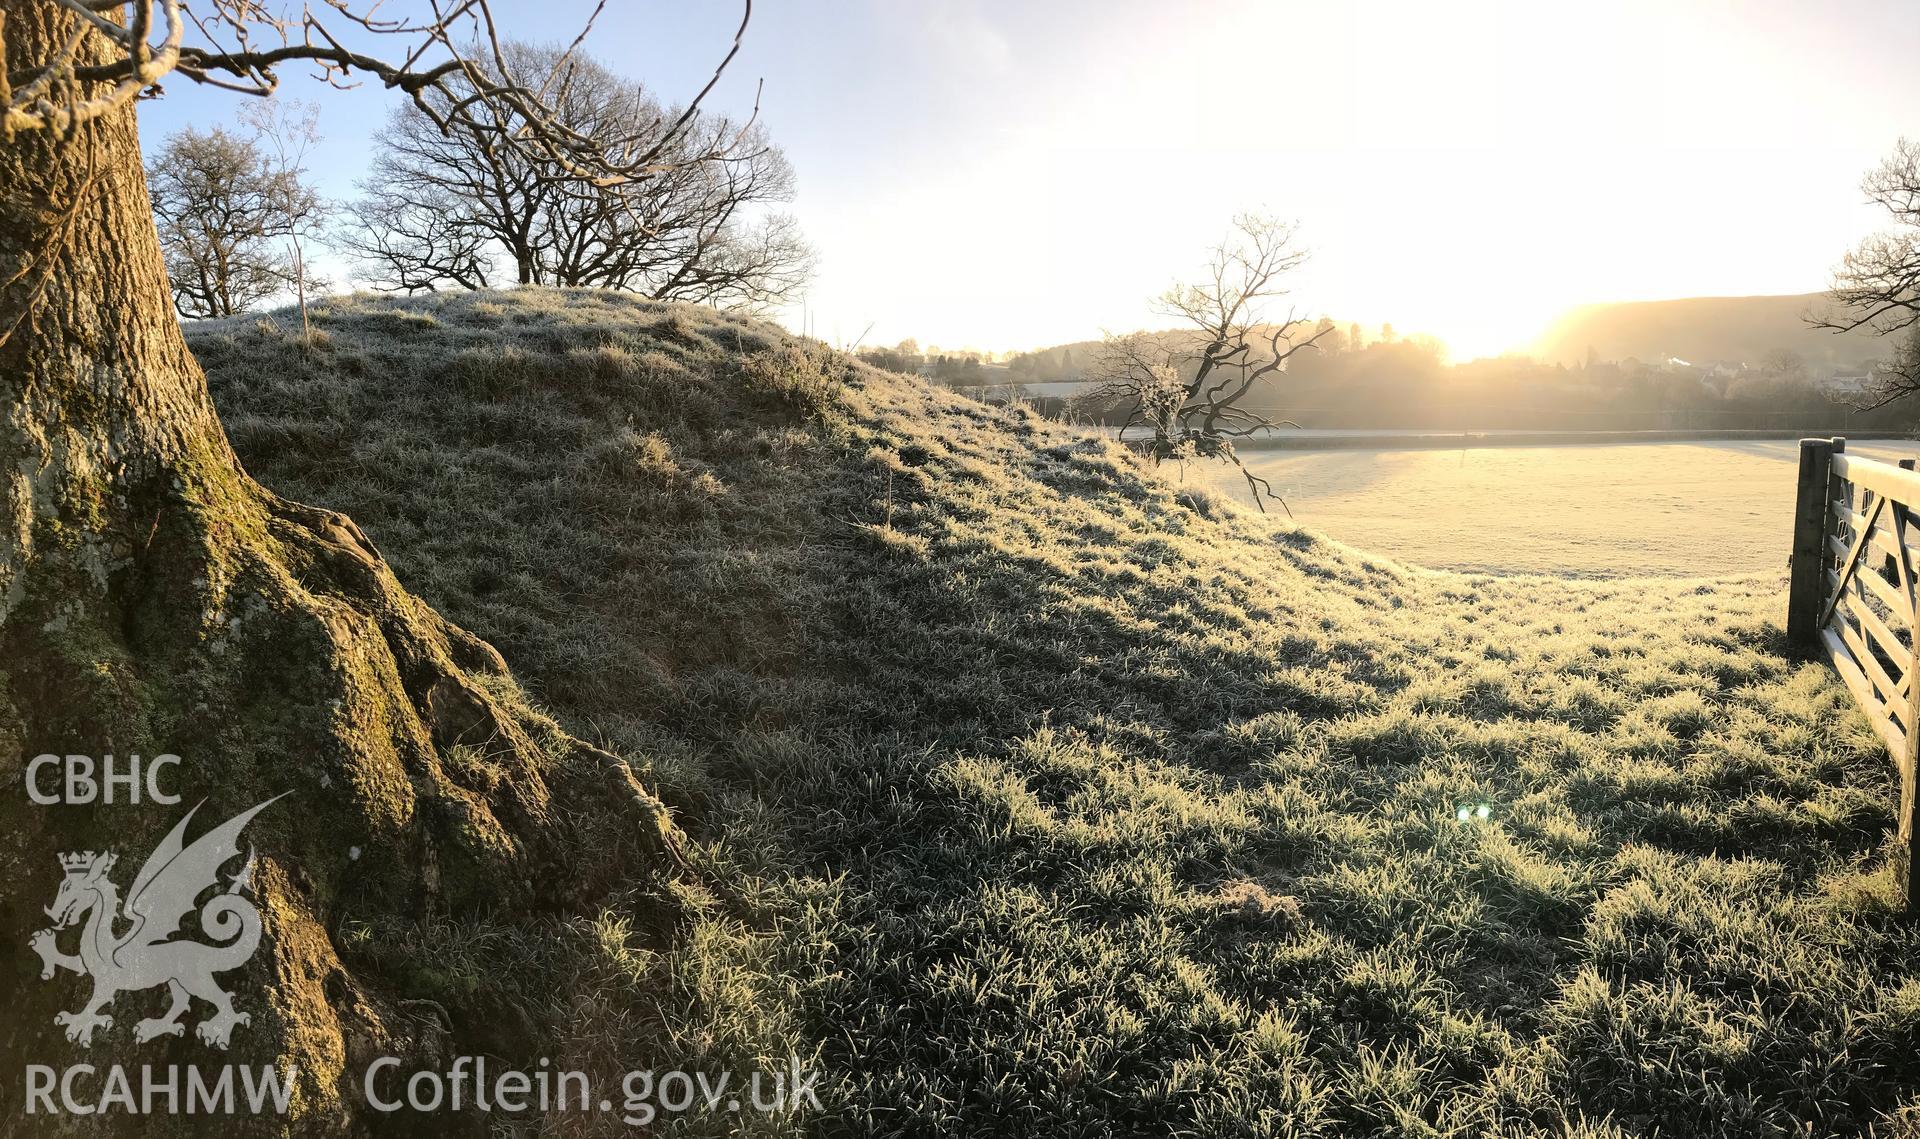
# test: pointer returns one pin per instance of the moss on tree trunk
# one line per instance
(153, 598)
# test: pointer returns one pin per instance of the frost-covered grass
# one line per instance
(1034, 795)
(1670, 509)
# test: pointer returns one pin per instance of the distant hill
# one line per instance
(1704, 330)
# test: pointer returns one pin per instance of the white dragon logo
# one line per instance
(140, 957)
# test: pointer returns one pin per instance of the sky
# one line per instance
(1009, 174)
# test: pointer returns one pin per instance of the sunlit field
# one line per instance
(1663, 509)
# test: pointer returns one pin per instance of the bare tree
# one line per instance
(417, 240)
(696, 232)
(153, 596)
(226, 212)
(702, 236)
(473, 188)
(1877, 286)
(902, 357)
(1787, 367)
(1186, 387)
(1781, 377)
(287, 129)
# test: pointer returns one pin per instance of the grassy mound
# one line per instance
(1033, 797)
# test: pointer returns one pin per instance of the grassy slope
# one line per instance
(1035, 798)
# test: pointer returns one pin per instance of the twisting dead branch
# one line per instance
(1186, 387)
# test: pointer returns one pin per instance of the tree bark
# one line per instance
(154, 599)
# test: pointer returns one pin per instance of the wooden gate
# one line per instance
(1854, 600)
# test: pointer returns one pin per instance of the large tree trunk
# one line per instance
(154, 599)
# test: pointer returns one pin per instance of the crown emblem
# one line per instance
(79, 862)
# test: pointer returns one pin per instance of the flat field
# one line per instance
(1691, 509)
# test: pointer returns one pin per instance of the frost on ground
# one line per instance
(1691, 509)
(1028, 794)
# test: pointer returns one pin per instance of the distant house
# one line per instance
(1846, 383)
(1712, 375)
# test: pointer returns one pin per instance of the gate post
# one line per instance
(1907, 822)
(1807, 589)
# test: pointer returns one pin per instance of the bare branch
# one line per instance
(1187, 387)
(1877, 285)
(696, 231)
(224, 208)
(112, 60)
